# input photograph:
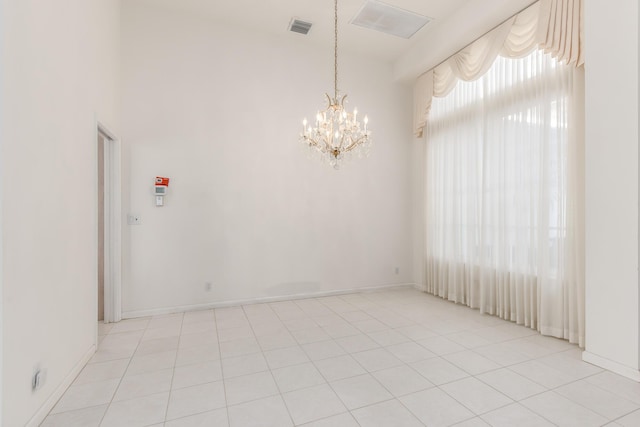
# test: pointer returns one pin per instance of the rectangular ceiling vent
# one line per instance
(298, 26)
(388, 19)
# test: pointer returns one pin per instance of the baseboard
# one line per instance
(48, 405)
(611, 365)
(421, 288)
(260, 300)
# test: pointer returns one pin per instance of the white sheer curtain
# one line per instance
(504, 195)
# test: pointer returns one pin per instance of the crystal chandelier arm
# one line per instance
(312, 142)
(324, 144)
(329, 101)
(326, 139)
(355, 143)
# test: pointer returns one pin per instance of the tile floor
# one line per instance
(389, 359)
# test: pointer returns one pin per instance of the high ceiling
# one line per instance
(455, 22)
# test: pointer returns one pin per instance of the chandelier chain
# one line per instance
(335, 50)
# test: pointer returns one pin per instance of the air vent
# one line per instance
(388, 19)
(298, 26)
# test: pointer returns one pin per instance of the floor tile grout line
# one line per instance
(173, 374)
(224, 385)
(121, 378)
(525, 407)
(612, 392)
(409, 409)
(625, 415)
(75, 410)
(552, 390)
(555, 390)
(512, 401)
(537, 413)
(272, 377)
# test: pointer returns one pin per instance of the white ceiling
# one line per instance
(455, 23)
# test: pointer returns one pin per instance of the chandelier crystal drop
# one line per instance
(336, 134)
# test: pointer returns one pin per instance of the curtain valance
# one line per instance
(556, 26)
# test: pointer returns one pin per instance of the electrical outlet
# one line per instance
(208, 286)
(134, 219)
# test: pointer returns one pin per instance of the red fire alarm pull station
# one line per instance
(161, 180)
(160, 189)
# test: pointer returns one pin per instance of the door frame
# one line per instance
(112, 225)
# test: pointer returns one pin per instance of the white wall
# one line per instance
(59, 62)
(219, 110)
(612, 333)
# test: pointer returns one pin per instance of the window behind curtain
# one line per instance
(499, 214)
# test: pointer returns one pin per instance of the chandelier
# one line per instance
(337, 134)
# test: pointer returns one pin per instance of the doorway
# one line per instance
(108, 280)
(101, 228)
